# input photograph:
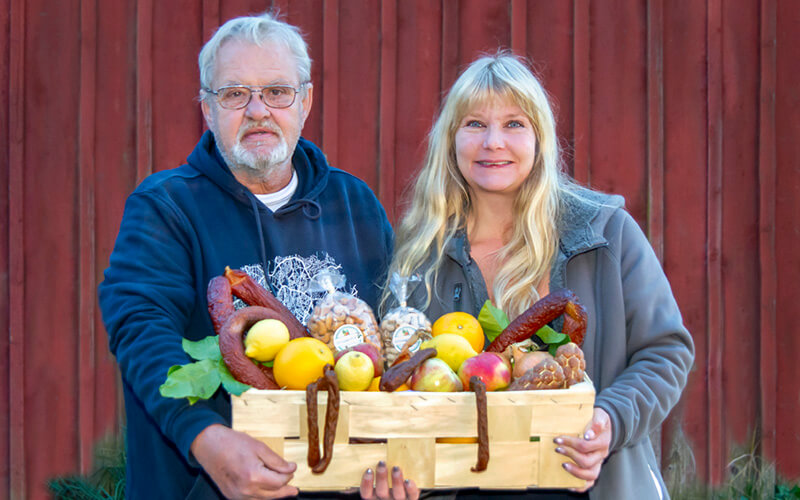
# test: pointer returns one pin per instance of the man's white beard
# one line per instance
(242, 158)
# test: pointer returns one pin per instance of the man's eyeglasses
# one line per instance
(238, 96)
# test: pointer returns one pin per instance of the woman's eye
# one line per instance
(515, 124)
(474, 123)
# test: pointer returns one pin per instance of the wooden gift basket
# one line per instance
(521, 424)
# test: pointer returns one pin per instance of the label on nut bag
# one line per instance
(347, 336)
(401, 336)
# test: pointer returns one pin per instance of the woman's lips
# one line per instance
(493, 164)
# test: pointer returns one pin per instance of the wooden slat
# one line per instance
(450, 35)
(86, 231)
(16, 250)
(211, 19)
(581, 84)
(388, 102)
(767, 166)
(330, 73)
(519, 27)
(714, 304)
(144, 89)
(655, 126)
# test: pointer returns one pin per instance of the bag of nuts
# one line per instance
(340, 319)
(403, 324)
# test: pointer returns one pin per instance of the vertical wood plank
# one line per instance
(5, 245)
(582, 85)
(519, 27)
(714, 331)
(16, 250)
(387, 106)
(144, 89)
(655, 126)
(210, 18)
(330, 74)
(450, 35)
(86, 231)
(767, 258)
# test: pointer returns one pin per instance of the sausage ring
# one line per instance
(231, 346)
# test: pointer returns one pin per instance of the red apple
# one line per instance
(368, 349)
(490, 367)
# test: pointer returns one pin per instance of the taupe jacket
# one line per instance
(638, 352)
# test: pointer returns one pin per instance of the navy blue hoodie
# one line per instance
(180, 228)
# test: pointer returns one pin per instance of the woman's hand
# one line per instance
(588, 452)
(376, 485)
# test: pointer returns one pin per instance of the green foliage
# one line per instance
(492, 320)
(201, 379)
(106, 482)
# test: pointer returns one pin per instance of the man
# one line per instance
(253, 195)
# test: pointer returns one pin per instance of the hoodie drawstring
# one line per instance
(254, 204)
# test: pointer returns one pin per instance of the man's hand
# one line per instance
(589, 451)
(242, 467)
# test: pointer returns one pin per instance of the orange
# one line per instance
(376, 384)
(300, 362)
(463, 324)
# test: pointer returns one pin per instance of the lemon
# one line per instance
(354, 371)
(451, 348)
(265, 339)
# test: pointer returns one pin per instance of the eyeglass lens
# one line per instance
(239, 97)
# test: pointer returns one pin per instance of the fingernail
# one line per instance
(558, 441)
(565, 465)
(369, 472)
(589, 435)
(406, 482)
(381, 464)
(559, 450)
(395, 469)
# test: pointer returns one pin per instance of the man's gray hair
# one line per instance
(258, 30)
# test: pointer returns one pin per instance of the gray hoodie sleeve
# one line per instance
(659, 350)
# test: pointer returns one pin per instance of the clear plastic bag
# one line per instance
(340, 319)
(403, 324)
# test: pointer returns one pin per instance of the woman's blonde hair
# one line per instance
(441, 201)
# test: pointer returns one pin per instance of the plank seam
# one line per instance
(581, 60)
(86, 232)
(388, 106)
(144, 89)
(16, 250)
(767, 170)
(330, 78)
(655, 126)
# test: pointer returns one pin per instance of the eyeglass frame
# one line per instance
(252, 89)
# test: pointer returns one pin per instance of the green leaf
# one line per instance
(552, 338)
(492, 320)
(207, 348)
(193, 380)
(229, 383)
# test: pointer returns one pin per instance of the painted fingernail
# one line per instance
(558, 441)
(406, 482)
(381, 464)
(559, 450)
(395, 469)
(369, 472)
(565, 465)
(589, 435)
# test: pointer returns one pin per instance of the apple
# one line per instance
(434, 375)
(490, 367)
(354, 371)
(368, 349)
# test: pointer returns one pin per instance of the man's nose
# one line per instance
(256, 109)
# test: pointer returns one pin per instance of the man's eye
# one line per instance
(233, 93)
(278, 91)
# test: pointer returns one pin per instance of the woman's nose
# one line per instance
(493, 138)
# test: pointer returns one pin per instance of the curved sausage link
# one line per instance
(539, 314)
(253, 294)
(479, 388)
(220, 301)
(231, 346)
(397, 375)
(329, 382)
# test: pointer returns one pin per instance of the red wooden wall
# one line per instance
(690, 110)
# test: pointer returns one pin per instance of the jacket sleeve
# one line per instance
(659, 349)
(147, 298)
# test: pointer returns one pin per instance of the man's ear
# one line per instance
(308, 99)
(207, 113)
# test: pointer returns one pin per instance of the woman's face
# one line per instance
(495, 147)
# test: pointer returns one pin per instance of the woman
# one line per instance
(493, 217)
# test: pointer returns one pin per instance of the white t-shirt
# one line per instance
(279, 198)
